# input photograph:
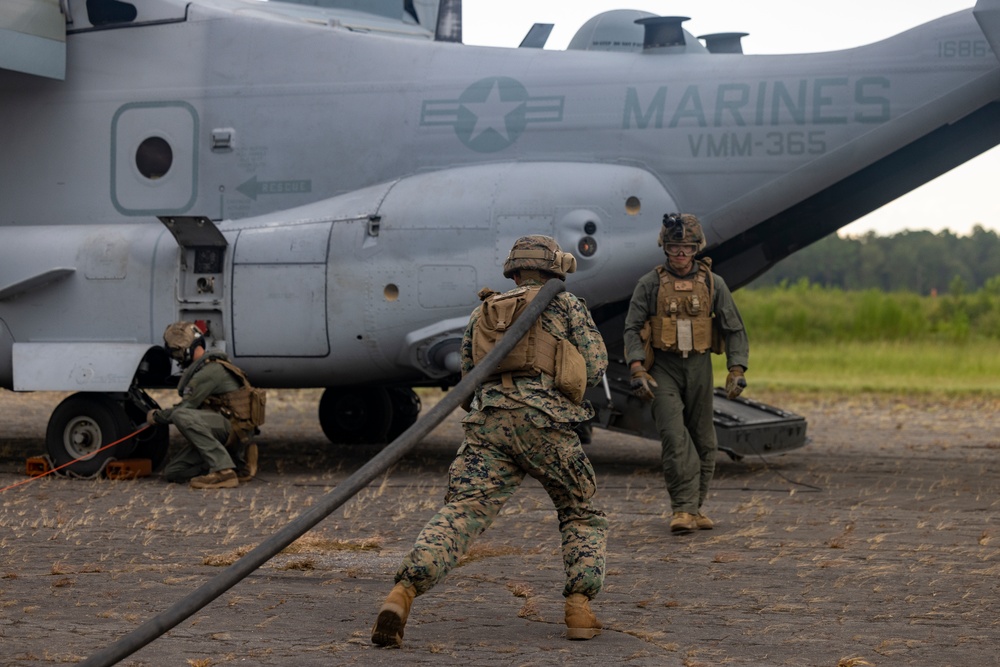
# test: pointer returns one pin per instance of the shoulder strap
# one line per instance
(235, 370)
(664, 275)
(706, 266)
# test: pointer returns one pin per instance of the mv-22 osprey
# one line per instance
(324, 188)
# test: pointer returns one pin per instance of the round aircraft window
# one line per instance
(154, 157)
(391, 292)
(587, 246)
(632, 205)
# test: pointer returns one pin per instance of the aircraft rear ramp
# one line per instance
(744, 427)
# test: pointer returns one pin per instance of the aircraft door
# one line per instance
(154, 158)
(279, 291)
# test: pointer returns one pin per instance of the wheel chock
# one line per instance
(36, 466)
(128, 469)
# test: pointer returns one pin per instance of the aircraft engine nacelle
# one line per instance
(396, 268)
(442, 236)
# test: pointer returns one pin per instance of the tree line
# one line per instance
(921, 262)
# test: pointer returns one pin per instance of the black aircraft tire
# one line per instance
(405, 410)
(152, 443)
(355, 415)
(82, 424)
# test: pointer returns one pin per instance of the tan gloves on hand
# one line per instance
(735, 382)
(642, 384)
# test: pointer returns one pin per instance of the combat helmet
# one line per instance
(681, 228)
(539, 253)
(181, 338)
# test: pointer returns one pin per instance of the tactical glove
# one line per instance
(735, 382)
(642, 384)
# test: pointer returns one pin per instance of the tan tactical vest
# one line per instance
(243, 407)
(683, 320)
(537, 352)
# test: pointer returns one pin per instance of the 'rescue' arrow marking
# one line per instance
(253, 187)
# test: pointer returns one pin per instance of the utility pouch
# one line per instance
(718, 340)
(646, 336)
(664, 330)
(701, 333)
(258, 403)
(571, 371)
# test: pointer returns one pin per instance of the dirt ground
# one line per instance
(876, 544)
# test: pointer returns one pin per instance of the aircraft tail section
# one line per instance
(987, 13)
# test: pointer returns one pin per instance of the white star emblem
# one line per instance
(491, 114)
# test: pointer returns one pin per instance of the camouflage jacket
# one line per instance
(567, 317)
(727, 318)
(199, 381)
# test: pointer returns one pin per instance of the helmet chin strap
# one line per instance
(189, 352)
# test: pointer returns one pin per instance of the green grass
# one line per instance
(917, 367)
(806, 312)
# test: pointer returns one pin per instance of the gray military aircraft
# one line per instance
(324, 185)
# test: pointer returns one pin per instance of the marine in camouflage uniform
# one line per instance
(512, 431)
(680, 386)
(204, 460)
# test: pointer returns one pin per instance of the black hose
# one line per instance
(346, 490)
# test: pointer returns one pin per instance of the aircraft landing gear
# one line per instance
(84, 422)
(367, 415)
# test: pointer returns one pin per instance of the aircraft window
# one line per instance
(104, 12)
(589, 227)
(391, 292)
(587, 246)
(633, 206)
(154, 158)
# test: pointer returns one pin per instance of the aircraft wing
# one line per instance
(33, 37)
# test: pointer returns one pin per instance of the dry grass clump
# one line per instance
(314, 544)
(480, 552)
(520, 589)
(226, 559)
(307, 544)
(853, 662)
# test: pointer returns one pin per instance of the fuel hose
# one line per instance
(202, 596)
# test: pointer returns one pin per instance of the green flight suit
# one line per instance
(511, 432)
(206, 431)
(682, 402)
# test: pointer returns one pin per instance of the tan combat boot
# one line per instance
(580, 621)
(704, 523)
(220, 479)
(388, 630)
(683, 522)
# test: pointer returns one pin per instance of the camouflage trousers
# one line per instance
(682, 410)
(500, 448)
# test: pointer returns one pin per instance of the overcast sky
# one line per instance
(957, 200)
